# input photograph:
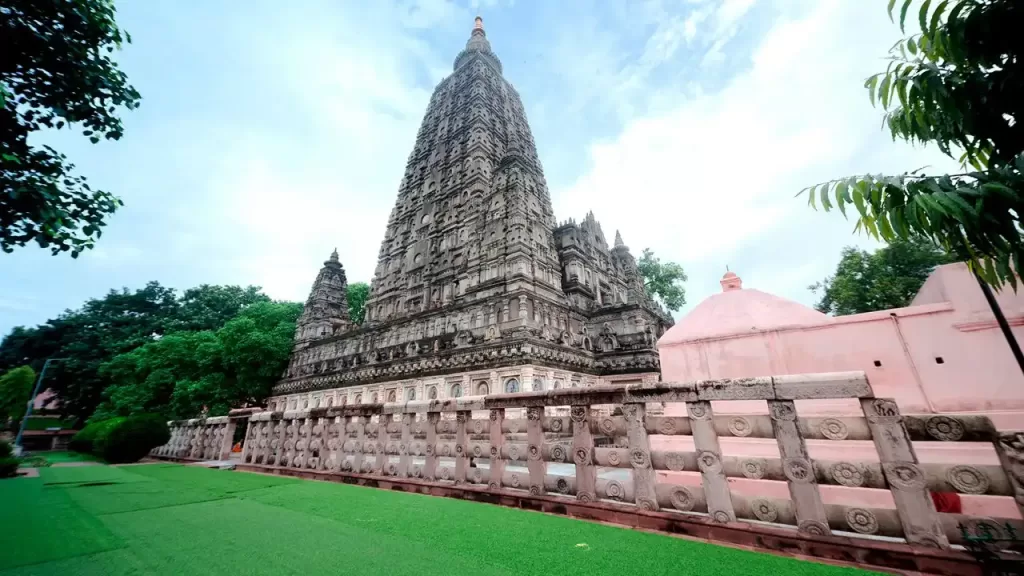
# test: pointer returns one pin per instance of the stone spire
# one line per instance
(477, 45)
(326, 309)
(618, 240)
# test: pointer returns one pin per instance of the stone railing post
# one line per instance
(796, 465)
(644, 476)
(583, 453)
(280, 437)
(709, 460)
(1010, 448)
(497, 437)
(404, 458)
(906, 479)
(534, 452)
(250, 445)
(430, 467)
(229, 438)
(461, 420)
(357, 448)
(380, 464)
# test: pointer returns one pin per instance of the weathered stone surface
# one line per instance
(474, 272)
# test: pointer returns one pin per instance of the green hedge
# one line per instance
(131, 439)
(8, 463)
(122, 439)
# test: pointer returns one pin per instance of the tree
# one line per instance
(887, 278)
(357, 294)
(664, 281)
(15, 392)
(56, 71)
(958, 83)
(185, 373)
(208, 307)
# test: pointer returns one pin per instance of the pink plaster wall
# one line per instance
(948, 320)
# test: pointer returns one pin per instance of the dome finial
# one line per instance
(730, 281)
(478, 23)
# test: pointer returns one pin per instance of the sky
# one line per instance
(272, 132)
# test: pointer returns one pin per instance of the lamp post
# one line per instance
(31, 401)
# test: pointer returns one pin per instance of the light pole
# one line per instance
(31, 402)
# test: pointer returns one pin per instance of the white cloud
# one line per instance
(713, 177)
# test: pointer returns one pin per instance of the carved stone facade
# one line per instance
(473, 275)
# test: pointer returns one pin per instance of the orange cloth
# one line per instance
(947, 502)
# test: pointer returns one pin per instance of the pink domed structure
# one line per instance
(943, 354)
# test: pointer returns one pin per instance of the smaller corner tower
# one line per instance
(326, 310)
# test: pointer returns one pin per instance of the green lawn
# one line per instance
(38, 459)
(169, 519)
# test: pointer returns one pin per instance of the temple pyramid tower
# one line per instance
(477, 288)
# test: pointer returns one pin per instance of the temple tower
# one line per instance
(326, 309)
(477, 288)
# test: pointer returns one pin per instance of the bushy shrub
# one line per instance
(8, 463)
(84, 441)
(131, 438)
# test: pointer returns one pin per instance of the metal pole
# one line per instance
(1003, 324)
(28, 408)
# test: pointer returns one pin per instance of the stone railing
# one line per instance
(593, 446)
(199, 439)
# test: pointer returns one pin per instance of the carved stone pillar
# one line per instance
(360, 423)
(497, 437)
(403, 446)
(461, 445)
(709, 460)
(583, 453)
(534, 457)
(903, 473)
(796, 465)
(522, 307)
(430, 468)
(644, 475)
(381, 462)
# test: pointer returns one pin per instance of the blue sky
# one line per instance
(272, 132)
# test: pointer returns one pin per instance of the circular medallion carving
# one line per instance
(578, 413)
(740, 426)
(646, 504)
(614, 491)
(944, 428)
(478, 476)
(346, 465)
(558, 453)
(513, 480)
(782, 410)
(562, 485)
(987, 528)
(847, 474)
(708, 462)
(458, 449)
(885, 408)
(904, 476)
(607, 426)
(721, 516)
(967, 479)
(478, 426)
(675, 461)
(638, 458)
(493, 486)
(478, 452)
(494, 451)
(681, 498)
(555, 424)
(753, 468)
(430, 449)
(667, 426)
(814, 528)
(797, 470)
(513, 426)
(613, 458)
(861, 520)
(535, 491)
(764, 510)
(581, 456)
(585, 497)
(533, 452)
(393, 469)
(697, 410)
(533, 413)
(446, 474)
(513, 452)
(833, 429)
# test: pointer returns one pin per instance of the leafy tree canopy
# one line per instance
(185, 373)
(15, 391)
(663, 280)
(56, 71)
(119, 322)
(887, 278)
(957, 83)
(357, 294)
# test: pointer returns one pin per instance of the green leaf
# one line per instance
(912, 46)
(811, 198)
(842, 196)
(903, 14)
(922, 16)
(871, 84)
(892, 4)
(939, 10)
(826, 204)
(883, 91)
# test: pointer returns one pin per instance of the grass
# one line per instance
(168, 519)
